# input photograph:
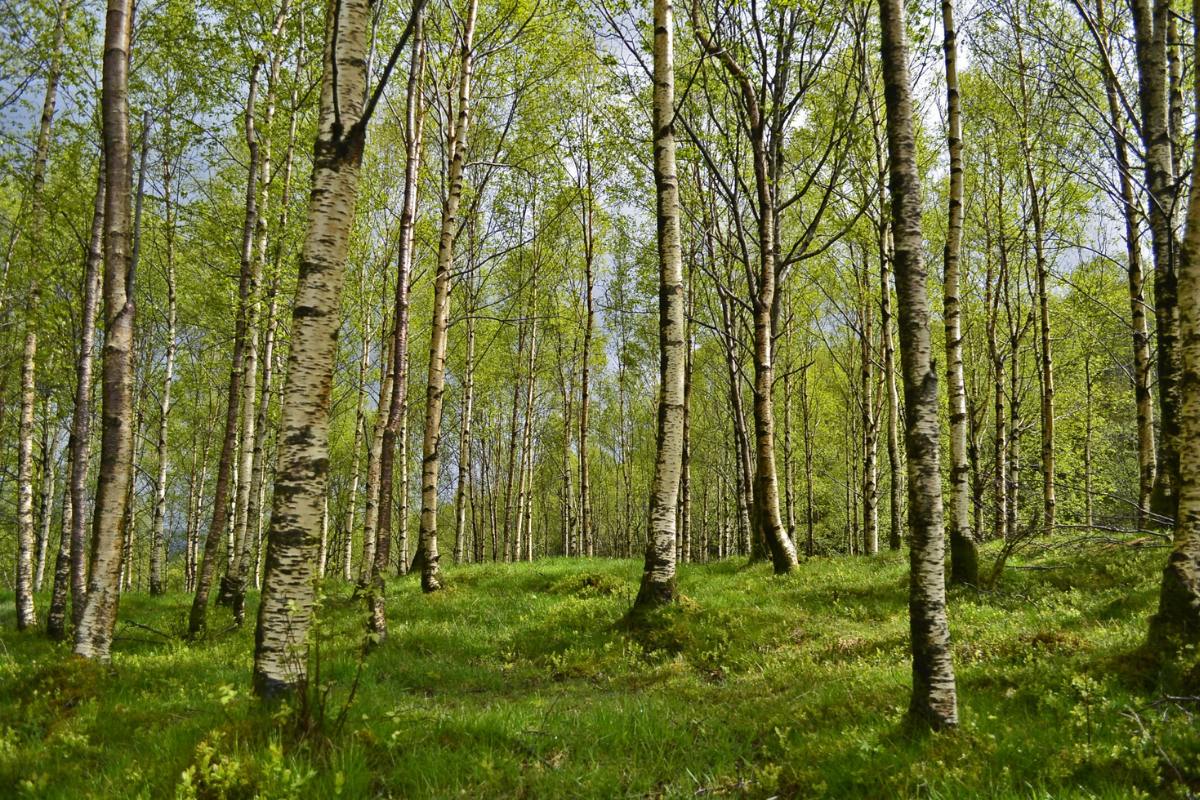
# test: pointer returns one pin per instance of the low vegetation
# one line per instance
(526, 681)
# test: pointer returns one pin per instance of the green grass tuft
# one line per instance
(526, 681)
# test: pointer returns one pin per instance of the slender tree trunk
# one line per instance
(247, 285)
(1151, 21)
(568, 491)
(1087, 444)
(745, 475)
(684, 531)
(806, 404)
(359, 427)
(464, 440)
(1137, 300)
(1000, 427)
(524, 500)
(766, 482)
(431, 451)
(26, 615)
(964, 556)
(1178, 617)
(658, 577)
(374, 455)
(70, 569)
(398, 398)
(585, 480)
(258, 498)
(934, 697)
(301, 483)
(1045, 352)
(158, 555)
(511, 479)
(870, 425)
(94, 631)
(45, 499)
(233, 587)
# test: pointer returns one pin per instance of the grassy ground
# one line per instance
(520, 681)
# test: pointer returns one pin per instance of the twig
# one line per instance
(148, 628)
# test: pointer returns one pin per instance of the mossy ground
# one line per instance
(522, 681)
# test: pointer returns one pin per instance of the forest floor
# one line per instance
(522, 681)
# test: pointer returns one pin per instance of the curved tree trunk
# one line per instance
(934, 698)
(765, 511)
(658, 576)
(94, 632)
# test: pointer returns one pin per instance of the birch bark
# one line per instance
(431, 579)
(94, 631)
(301, 483)
(964, 557)
(934, 698)
(658, 576)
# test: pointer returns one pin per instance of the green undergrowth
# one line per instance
(526, 681)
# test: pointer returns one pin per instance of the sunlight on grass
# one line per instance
(524, 681)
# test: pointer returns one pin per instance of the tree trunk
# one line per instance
(684, 548)
(964, 557)
(524, 499)
(94, 631)
(359, 427)
(233, 587)
(934, 698)
(1137, 299)
(158, 555)
(745, 474)
(870, 425)
(398, 398)
(26, 615)
(431, 450)
(286, 610)
(809, 436)
(247, 287)
(258, 498)
(374, 455)
(45, 499)
(70, 569)
(1045, 352)
(658, 578)
(1087, 444)
(1151, 21)
(589, 252)
(464, 438)
(1178, 617)
(766, 482)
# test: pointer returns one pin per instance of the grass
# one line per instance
(522, 681)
